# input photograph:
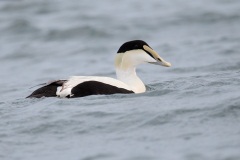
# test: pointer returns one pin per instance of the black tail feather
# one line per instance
(48, 90)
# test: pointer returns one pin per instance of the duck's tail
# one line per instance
(48, 90)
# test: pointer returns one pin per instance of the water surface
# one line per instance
(190, 112)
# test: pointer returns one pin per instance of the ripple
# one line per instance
(99, 114)
(170, 117)
(208, 17)
(227, 110)
(76, 32)
(189, 136)
(22, 26)
(99, 156)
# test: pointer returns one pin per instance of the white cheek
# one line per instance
(134, 58)
(150, 59)
(145, 58)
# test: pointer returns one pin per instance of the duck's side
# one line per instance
(80, 86)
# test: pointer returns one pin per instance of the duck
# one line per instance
(128, 57)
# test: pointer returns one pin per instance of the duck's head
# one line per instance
(136, 52)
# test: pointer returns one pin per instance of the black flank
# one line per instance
(48, 90)
(96, 88)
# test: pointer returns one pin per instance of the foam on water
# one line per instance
(190, 111)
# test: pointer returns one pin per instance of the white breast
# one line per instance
(65, 90)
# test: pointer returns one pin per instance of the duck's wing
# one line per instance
(80, 86)
(48, 90)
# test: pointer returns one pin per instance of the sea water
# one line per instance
(191, 111)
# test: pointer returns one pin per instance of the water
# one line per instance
(191, 111)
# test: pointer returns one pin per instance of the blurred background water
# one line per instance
(191, 111)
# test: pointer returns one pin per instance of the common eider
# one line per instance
(129, 55)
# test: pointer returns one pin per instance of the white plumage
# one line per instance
(66, 88)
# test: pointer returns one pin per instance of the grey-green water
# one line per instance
(191, 111)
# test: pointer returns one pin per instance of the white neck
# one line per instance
(126, 72)
(130, 78)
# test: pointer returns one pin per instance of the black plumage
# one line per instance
(48, 90)
(96, 88)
